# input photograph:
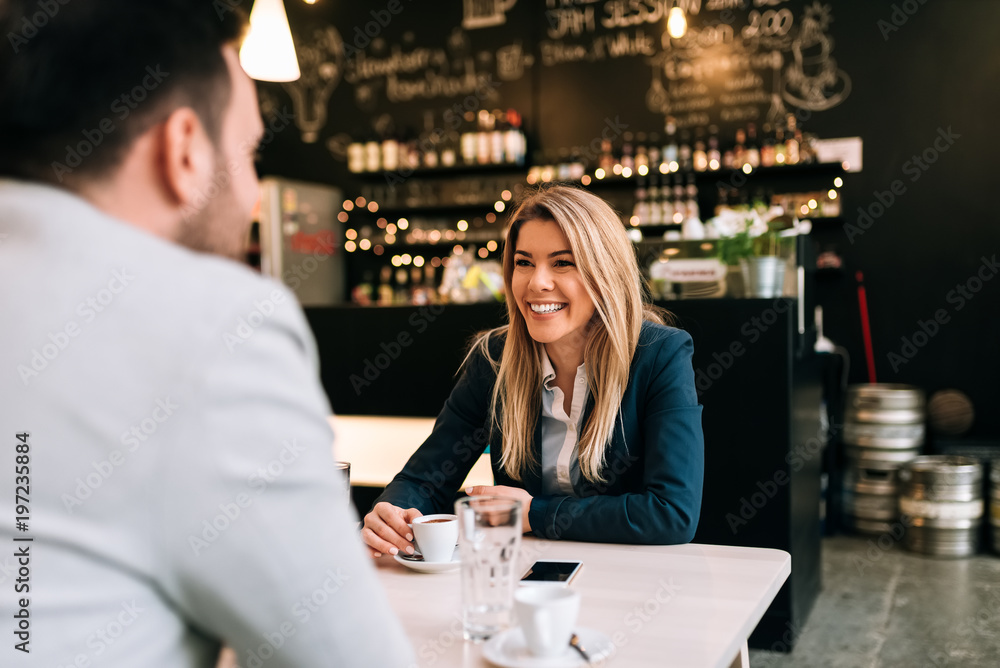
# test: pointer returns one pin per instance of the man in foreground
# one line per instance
(160, 412)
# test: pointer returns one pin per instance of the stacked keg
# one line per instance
(883, 429)
(995, 502)
(941, 501)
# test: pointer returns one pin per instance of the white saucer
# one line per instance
(508, 649)
(430, 566)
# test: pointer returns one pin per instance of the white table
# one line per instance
(678, 605)
(378, 447)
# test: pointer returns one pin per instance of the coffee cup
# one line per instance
(547, 616)
(435, 536)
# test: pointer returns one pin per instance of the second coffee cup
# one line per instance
(547, 616)
(435, 536)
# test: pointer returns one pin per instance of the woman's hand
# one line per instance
(510, 493)
(386, 530)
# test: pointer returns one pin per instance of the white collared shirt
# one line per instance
(561, 432)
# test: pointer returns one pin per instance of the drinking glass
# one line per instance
(489, 540)
(345, 468)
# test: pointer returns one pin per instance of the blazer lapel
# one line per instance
(533, 476)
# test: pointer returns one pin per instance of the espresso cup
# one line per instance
(547, 616)
(435, 536)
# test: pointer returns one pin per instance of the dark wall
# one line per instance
(938, 73)
(915, 77)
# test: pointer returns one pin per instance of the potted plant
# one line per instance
(756, 250)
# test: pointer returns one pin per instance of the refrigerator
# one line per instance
(301, 239)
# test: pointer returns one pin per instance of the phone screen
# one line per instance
(551, 571)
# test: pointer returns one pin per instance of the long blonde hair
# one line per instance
(606, 260)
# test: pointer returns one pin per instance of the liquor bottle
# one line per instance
(728, 159)
(692, 225)
(390, 152)
(497, 137)
(792, 143)
(356, 156)
(680, 208)
(807, 147)
(412, 150)
(640, 211)
(670, 148)
(627, 161)
(753, 146)
(385, 289)
(714, 157)
(691, 204)
(641, 153)
(699, 158)
(449, 155)
(768, 147)
(563, 165)
(361, 294)
(402, 294)
(740, 149)
(653, 153)
(483, 134)
(684, 152)
(576, 167)
(430, 158)
(780, 148)
(373, 154)
(666, 202)
(655, 203)
(514, 144)
(722, 202)
(468, 139)
(607, 160)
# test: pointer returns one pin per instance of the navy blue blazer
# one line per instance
(654, 465)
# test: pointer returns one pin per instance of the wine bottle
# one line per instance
(753, 147)
(768, 147)
(670, 149)
(740, 149)
(699, 157)
(684, 152)
(714, 156)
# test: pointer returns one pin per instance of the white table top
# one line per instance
(673, 605)
(378, 447)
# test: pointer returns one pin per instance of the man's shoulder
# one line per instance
(170, 295)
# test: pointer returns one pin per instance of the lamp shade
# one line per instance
(268, 53)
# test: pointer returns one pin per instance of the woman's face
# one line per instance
(547, 285)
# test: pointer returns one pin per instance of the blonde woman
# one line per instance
(586, 397)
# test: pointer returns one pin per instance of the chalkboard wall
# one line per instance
(917, 80)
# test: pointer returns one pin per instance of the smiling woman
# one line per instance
(586, 396)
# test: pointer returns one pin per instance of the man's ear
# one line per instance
(188, 157)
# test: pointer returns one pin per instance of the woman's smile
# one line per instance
(547, 285)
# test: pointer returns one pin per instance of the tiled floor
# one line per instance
(883, 607)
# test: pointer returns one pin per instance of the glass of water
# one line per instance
(345, 470)
(489, 540)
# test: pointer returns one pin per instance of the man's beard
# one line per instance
(218, 226)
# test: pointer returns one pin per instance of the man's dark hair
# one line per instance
(80, 80)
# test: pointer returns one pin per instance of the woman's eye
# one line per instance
(564, 263)
(521, 263)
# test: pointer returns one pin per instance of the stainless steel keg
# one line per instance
(941, 504)
(883, 429)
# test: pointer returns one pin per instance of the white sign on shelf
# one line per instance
(845, 150)
(691, 270)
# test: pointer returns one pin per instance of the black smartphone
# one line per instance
(551, 572)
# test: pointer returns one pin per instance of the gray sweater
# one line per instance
(182, 491)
